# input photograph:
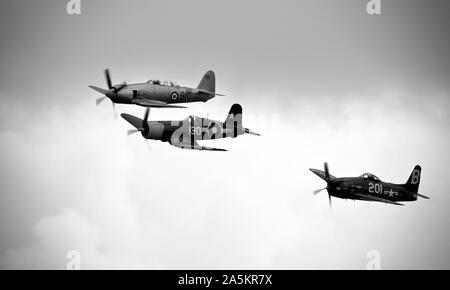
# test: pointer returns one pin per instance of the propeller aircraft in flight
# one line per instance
(157, 94)
(368, 187)
(185, 134)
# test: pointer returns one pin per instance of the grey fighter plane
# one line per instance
(368, 187)
(185, 134)
(157, 94)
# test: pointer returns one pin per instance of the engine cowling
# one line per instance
(155, 131)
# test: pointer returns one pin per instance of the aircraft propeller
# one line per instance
(327, 179)
(110, 93)
(144, 128)
(115, 88)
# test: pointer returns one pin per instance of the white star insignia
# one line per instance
(391, 193)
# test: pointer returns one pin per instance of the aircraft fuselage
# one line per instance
(162, 93)
(347, 187)
(193, 128)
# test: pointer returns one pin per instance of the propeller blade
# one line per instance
(147, 112)
(114, 110)
(149, 147)
(132, 131)
(108, 78)
(318, 190)
(119, 87)
(99, 100)
(327, 173)
(329, 199)
(145, 126)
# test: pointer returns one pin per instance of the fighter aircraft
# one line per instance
(185, 134)
(368, 187)
(157, 94)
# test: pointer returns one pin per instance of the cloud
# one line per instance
(79, 183)
(54, 237)
(57, 236)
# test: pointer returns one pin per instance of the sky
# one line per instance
(320, 80)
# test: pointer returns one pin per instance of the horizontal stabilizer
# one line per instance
(248, 131)
(417, 194)
(422, 196)
(209, 93)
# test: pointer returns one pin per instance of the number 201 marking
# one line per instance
(375, 188)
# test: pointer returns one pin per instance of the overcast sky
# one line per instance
(320, 80)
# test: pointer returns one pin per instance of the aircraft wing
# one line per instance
(100, 90)
(321, 173)
(375, 198)
(195, 146)
(154, 104)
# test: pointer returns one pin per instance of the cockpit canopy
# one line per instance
(164, 83)
(369, 176)
(154, 82)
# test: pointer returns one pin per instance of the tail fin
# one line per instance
(233, 122)
(235, 115)
(208, 82)
(414, 180)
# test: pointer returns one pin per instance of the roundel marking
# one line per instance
(174, 96)
(213, 130)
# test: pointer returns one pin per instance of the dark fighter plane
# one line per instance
(157, 94)
(185, 134)
(368, 187)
